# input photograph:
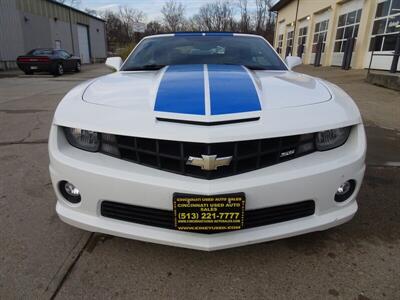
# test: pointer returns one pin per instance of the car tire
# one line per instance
(59, 70)
(78, 66)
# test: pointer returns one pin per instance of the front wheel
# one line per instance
(59, 70)
(78, 67)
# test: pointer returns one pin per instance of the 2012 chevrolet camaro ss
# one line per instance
(206, 141)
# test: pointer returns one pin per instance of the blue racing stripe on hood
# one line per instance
(231, 90)
(181, 90)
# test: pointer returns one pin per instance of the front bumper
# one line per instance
(100, 177)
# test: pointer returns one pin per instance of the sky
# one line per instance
(151, 8)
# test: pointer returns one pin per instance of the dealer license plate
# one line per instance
(208, 214)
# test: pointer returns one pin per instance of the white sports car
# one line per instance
(206, 141)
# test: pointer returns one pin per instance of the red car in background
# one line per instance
(49, 60)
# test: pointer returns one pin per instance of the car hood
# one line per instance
(206, 93)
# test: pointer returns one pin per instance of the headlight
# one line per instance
(83, 139)
(329, 139)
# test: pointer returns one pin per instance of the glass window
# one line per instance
(393, 24)
(339, 33)
(386, 25)
(302, 36)
(320, 35)
(280, 43)
(302, 40)
(39, 52)
(303, 31)
(322, 26)
(376, 43)
(338, 46)
(289, 42)
(347, 30)
(395, 9)
(359, 12)
(344, 44)
(356, 30)
(64, 54)
(154, 53)
(342, 20)
(383, 9)
(389, 42)
(379, 26)
(351, 18)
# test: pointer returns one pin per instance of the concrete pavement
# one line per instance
(41, 257)
(379, 106)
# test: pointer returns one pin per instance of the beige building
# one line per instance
(375, 25)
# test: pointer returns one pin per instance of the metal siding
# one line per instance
(41, 30)
(11, 41)
(61, 31)
(36, 32)
(97, 39)
(75, 37)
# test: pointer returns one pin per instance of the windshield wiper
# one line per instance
(255, 68)
(250, 67)
(146, 67)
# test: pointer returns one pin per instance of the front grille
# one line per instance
(171, 156)
(165, 218)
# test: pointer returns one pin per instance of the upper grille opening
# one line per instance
(171, 156)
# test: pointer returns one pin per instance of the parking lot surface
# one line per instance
(41, 257)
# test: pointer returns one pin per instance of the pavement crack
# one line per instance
(23, 142)
(66, 268)
(384, 166)
(23, 111)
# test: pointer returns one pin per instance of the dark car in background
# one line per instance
(54, 61)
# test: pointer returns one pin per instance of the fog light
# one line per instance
(345, 190)
(70, 192)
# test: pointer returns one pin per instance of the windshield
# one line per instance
(155, 53)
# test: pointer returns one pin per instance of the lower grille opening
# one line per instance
(165, 218)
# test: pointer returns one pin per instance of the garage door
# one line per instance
(321, 29)
(384, 33)
(347, 27)
(83, 41)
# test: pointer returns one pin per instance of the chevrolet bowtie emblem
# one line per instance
(209, 162)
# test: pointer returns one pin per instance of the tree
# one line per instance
(215, 16)
(115, 33)
(92, 12)
(264, 16)
(154, 27)
(130, 16)
(244, 23)
(265, 19)
(173, 15)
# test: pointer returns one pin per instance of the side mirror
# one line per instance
(114, 62)
(293, 61)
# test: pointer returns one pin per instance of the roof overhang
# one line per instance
(281, 4)
(77, 10)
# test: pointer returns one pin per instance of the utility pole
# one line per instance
(295, 26)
